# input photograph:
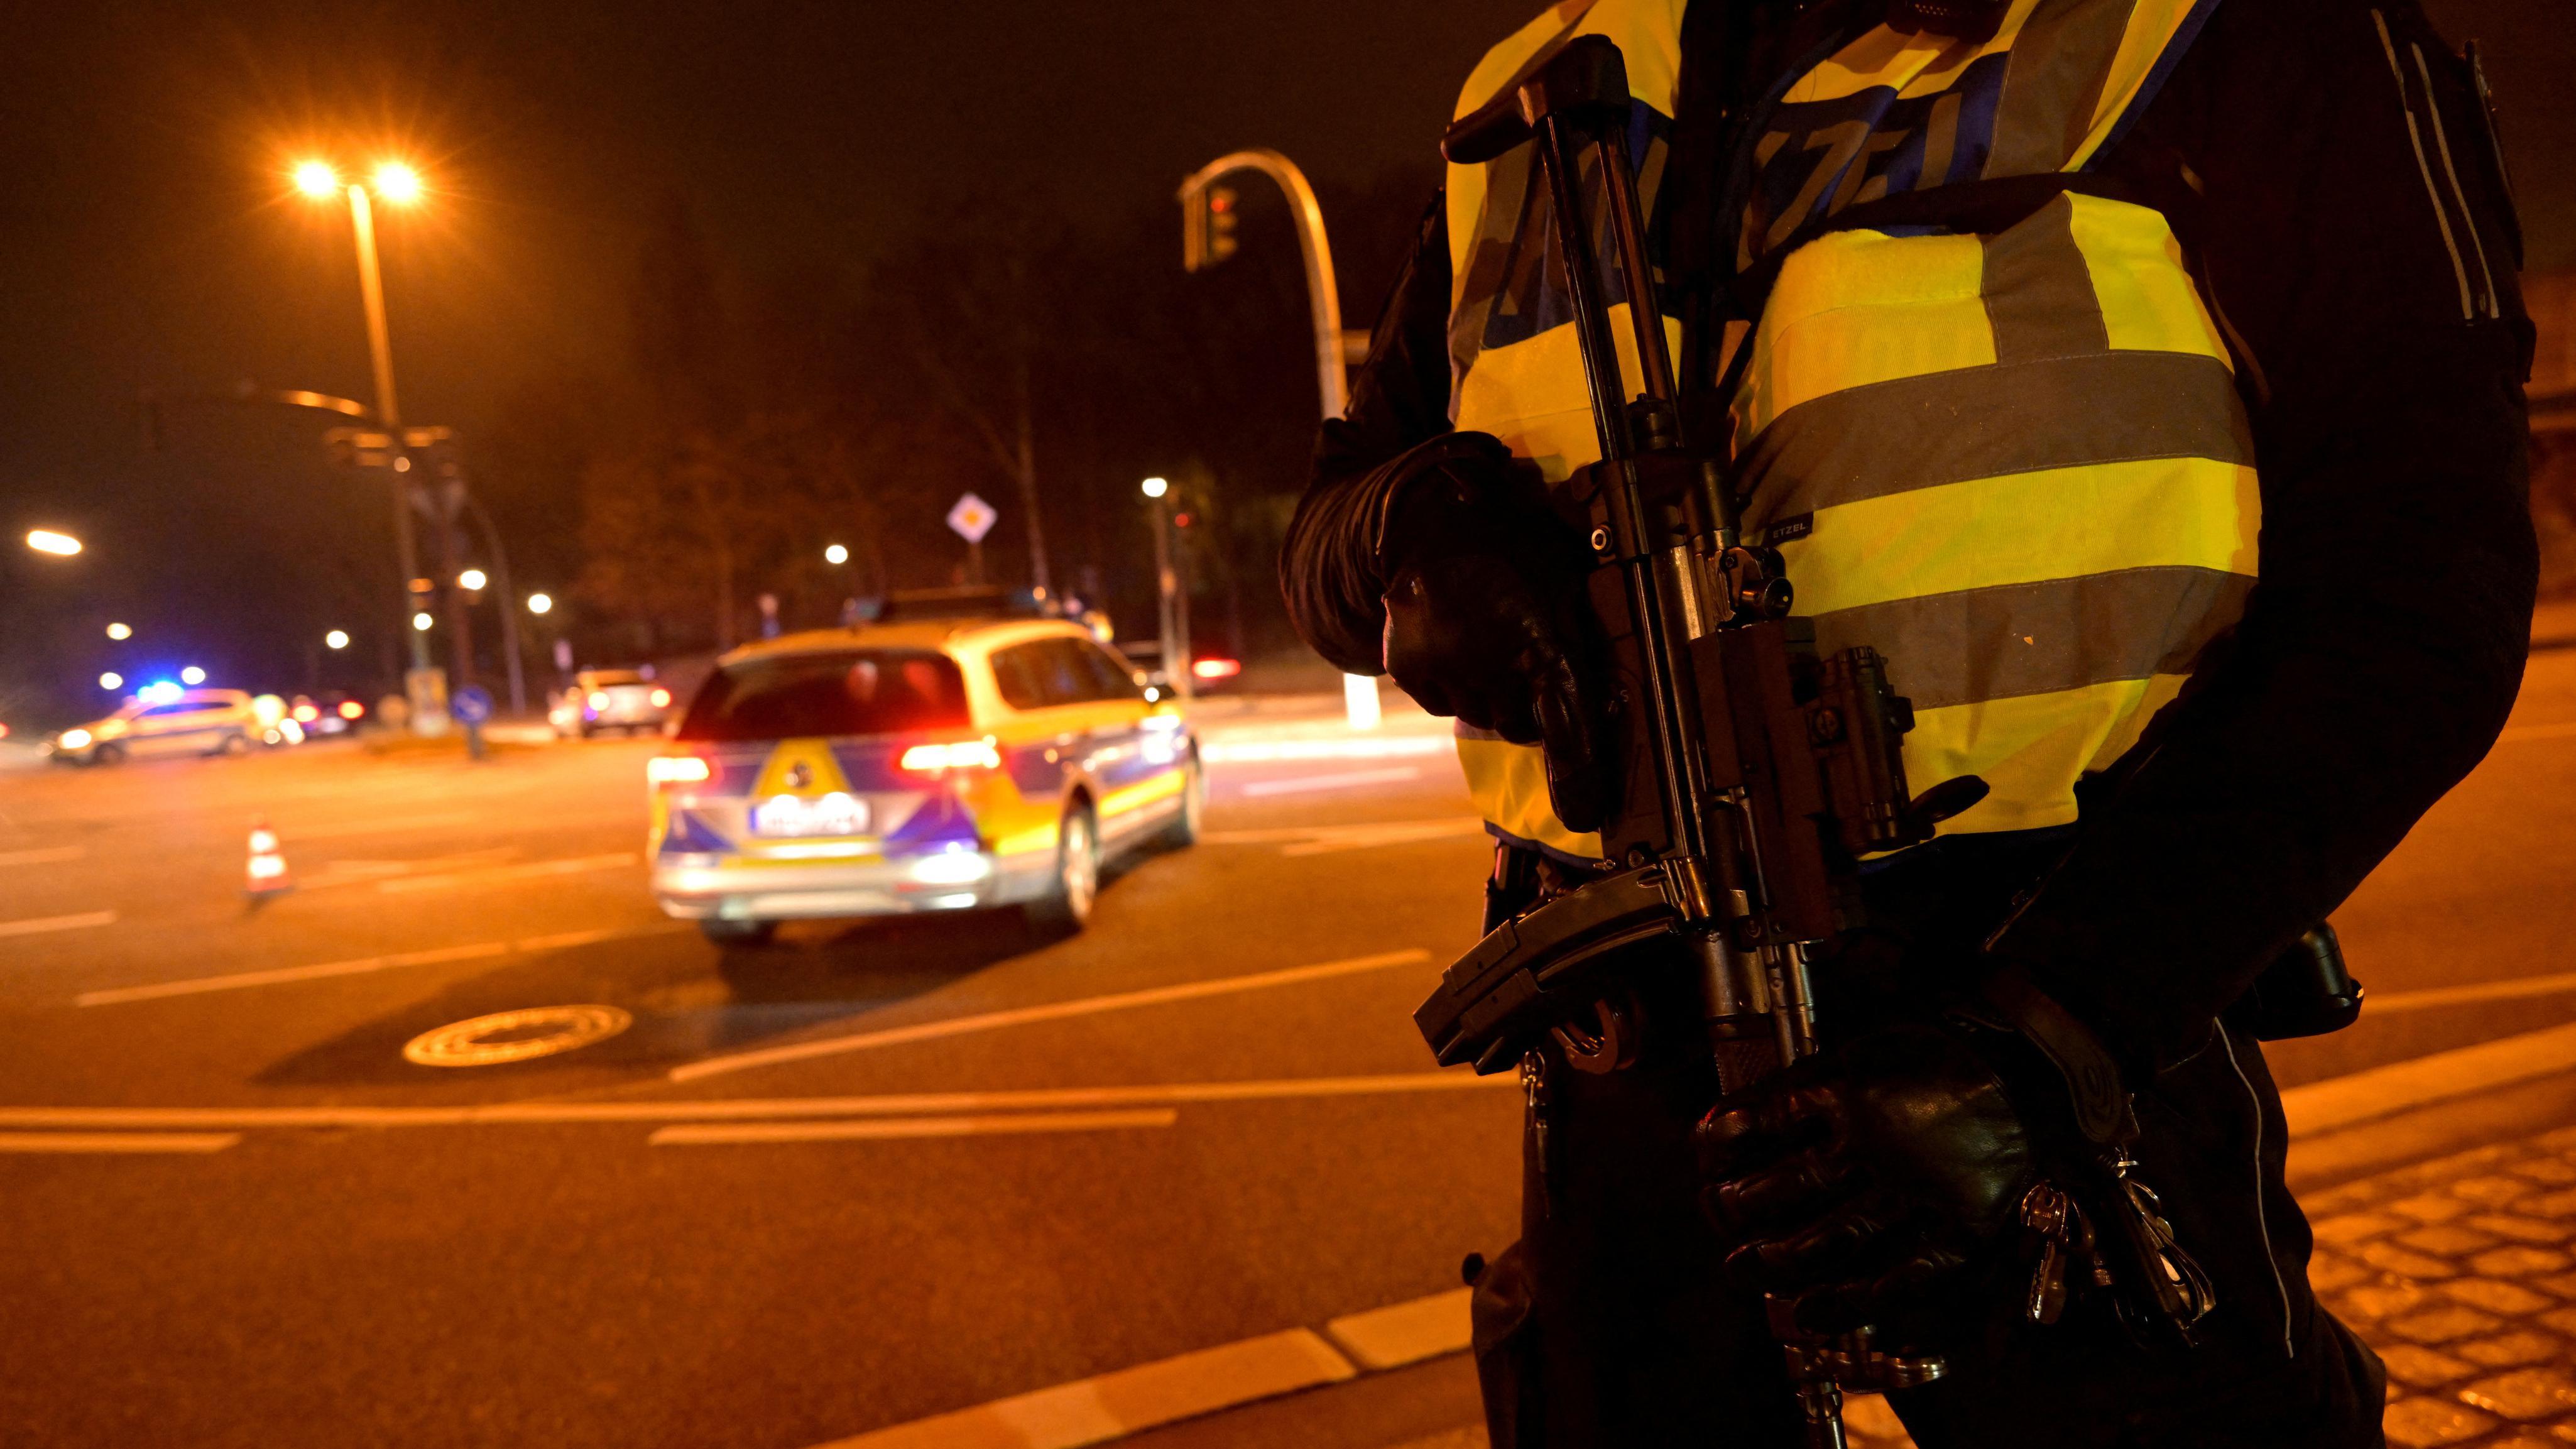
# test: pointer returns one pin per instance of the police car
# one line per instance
(926, 765)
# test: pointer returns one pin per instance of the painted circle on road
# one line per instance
(515, 1036)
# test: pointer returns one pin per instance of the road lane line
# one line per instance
(1050, 1011)
(298, 835)
(739, 1109)
(1374, 832)
(479, 950)
(1349, 780)
(41, 924)
(1384, 836)
(46, 856)
(531, 870)
(1263, 752)
(1114, 1405)
(117, 1141)
(2378, 1004)
(889, 1128)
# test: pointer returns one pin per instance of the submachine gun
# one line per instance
(1752, 771)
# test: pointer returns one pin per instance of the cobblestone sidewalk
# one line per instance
(2458, 1271)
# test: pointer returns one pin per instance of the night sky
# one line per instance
(148, 237)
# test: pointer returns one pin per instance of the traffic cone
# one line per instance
(267, 874)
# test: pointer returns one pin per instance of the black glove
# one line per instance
(1867, 1182)
(1485, 612)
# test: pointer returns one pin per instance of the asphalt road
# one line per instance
(1018, 1162)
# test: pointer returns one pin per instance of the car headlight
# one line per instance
(74, 739)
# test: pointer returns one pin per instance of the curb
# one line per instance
(2332, 1124)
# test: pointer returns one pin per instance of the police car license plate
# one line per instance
(833, 814)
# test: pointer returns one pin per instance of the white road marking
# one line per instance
(474, 951)
(46, 856)
(1328, 839)
(529, 870)
(117, 1141)
(2378, 1004)
(885, 1128)
(752, 1109)
(1403, 1333)
(1050, 1011)
(1261, 752)
(1114, 1405)
(2537, 732)
(293, 835)
(2383, 1091)
(41, 924)
(1351, 780)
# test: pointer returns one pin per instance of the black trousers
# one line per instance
(1610, 1324)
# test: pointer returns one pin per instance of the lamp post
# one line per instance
(1172, 602)
(400, 185)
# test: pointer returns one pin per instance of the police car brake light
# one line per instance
(1215, 668)
(963, 755)
(676, 770)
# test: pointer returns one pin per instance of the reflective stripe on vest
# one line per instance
(1885, 113)
(2017, 466)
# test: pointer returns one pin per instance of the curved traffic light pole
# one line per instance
(1207, 238)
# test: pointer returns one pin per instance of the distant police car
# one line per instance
(165, 720)
(939, 764)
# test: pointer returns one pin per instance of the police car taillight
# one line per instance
(677, 770)
(962, 755)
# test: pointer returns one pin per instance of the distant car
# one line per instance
(190, 722)
(936, 765)
(624, 700)
(1209, 673)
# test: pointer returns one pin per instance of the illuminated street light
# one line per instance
(472, 581)
(421, 622)
(45, 540)
(336, 639)
(111, 681)
(1157, 487)
(540, 603)
(836, 554)
(397, 183)
(400, 185)
(119, 631)
(192, 675)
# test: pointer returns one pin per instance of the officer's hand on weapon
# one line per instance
(1864, 1181)
(1485, 613)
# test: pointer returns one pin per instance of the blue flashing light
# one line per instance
(159, 691)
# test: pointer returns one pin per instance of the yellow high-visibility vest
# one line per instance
(2016, 464)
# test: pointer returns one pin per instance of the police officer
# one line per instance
(2143, 378)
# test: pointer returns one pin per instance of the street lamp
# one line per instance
(119, 632)
(836, 555)
(540, 603)
(111, 681)
(400, 185)
(336, 639)
(420, 622)
(1172, 605)
(472, 581)
(192, 675)
(45, 540)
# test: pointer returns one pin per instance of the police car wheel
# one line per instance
(108, 755)
(1066, 907)
(1183, 832)
(738, 933)
(235, 744)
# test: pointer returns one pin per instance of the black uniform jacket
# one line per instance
(2351, 226)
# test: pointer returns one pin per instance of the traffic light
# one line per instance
(1209, 237)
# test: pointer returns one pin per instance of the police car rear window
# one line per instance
(847, 692)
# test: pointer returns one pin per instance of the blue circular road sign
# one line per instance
(472, 704)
